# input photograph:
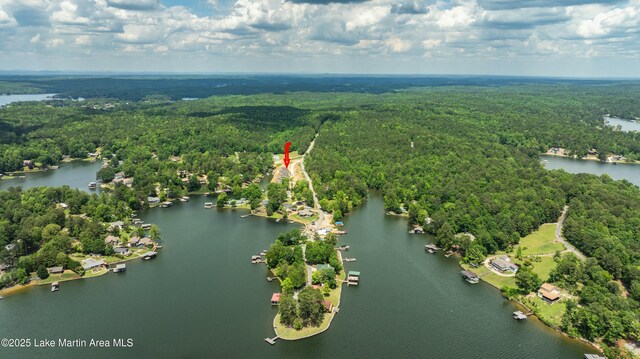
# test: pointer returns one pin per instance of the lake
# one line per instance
(7, 99)
(75, 174)
(625, 125)
(630, 172)
(201, 297)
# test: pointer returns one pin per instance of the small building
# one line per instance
(134, 241)
(275, 299)
(306, 213)
(145, 241)
(121, 250)
(153, 200)
(549, 293)
(503, 264)
(55, 270)
(470, 277)
(116, 225)
(112, 240)
(119, 268)
(328, 305)
(91, 263)
(324, 266)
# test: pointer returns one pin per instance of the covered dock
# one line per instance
(470, 277)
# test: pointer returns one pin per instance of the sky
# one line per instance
(567, 38)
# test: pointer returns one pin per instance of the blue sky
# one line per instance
(575, 38)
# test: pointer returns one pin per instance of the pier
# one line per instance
(271, 341)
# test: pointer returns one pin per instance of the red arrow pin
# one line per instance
(286, 154)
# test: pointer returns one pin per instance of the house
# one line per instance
(134, 241)
(112, 240)
(146, 241)
(324, 266)
(503, 264)
(55, 270)
(121, 250)
(116, 225)
(153, 200)
(28, 163)
(328, 305)
(91, 263)
(306, 213)
(118, 175)
(549, 293)
(275, 298)
(5, 266)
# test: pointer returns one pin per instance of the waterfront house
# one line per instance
(146, 241)
(112, 240)
(470, 277)
(91, 263)
(549, 293)
(153, 200)
(121, 250)
(275, 298)
(116, 225)
(328, 305)
(503, 264)
(55, 270)
(134, 241)
(324, 266)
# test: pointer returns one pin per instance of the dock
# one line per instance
(271, 341)
(349, 259)
(518, 315)
(353, 278)
(55, 286)
(245, 215)
(431, 248)
(470, 277)
(148, 255)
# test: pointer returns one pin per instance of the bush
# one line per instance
(298, 324)
(43, 273)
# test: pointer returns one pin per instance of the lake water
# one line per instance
(75, 174)
(7, 99)
(201, 297)
(625, 125)
(630, 172)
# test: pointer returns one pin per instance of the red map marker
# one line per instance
(286, 154)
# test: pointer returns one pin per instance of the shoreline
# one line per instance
(590, 159)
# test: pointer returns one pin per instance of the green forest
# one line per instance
(455, 159)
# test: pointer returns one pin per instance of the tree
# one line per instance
(527, 280)
(154, 232)
(42, 272)
(193, 184)
(287, 286)
(222, 200)
(288, 309)
(310, 306)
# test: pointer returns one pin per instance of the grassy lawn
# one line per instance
(490, 277)
(67, 275)
(542, 241)
(292, 334)
(548, 313)
(95, 273)
(544, 267)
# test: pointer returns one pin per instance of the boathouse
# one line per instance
(328, 306)
(549, 293)
(519, 315)
(353, 278)
(119, 268)
(470, 277)
(275, 298)
(149, 255)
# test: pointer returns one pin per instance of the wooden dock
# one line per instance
(271, 341)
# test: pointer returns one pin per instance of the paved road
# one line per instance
(316, 204)
(566, 244)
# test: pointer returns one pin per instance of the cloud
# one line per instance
(616, 22)
(141, 5)
(6, 20)
(410, 8)
(68, 15)
(327, 2)
(139, 34)
(511, 4)
(398, 45)
(523, 18)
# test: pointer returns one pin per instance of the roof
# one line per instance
(323, 266)
(354, 273)
(468, 274)
(55, 269)
(275, 297)
(120, 250)
(549, 291)
(594, 356)
(548, 287)
(111, 239)
(327, 304)
(499, 262)
(92, 263)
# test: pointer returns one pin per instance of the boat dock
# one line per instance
(349, 259)
(518, 315)
(353, 278)
(55, 286)
(271, 341)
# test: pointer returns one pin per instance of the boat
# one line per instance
(92, 185)
(344, 247)
(245, 216)
(184, 199)
(431, 248)
(55, 286)
(1, 297)
(349, 259)
(208, 205)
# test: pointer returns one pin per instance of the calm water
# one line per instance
(630, 172)
(625, 125)
(75, 174)
(7, 99)
(201, 297)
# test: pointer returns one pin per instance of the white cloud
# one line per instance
(6, 20)
(431, 43)
(398, 45)
(35, 39)
(67, 15)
